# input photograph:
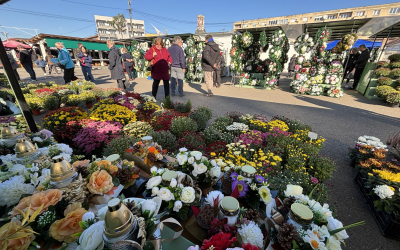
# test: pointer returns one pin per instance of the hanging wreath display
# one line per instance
(321, 69)
(302, 88)
(303, 44)
(136, 54)
(190, 75)
(313, 70)
(260, 68)
(332, 79)
(336, 67)
(191, 51)
(247, 39)
(346, 43)
(315, 89)
(198, 57)
(335, 57)
(300, 59)
(190, 41)
(275, 53)
(200, 46)
(167, 43)
(274, 68)
(320, 50)
(335, 92)
(323, 34)
(263, 39)
(198, 64)
(236, 39)
(278, 37)
(190, 59)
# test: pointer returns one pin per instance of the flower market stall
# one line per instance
(118, 175)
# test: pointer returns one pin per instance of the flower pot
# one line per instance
(98, 99)
(393, 105)
(36, 112)
(89, 105)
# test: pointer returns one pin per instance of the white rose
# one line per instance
(334, 224)
(177, 206)
(213, 163)
(154, 191)
(333, 244)
(154, 181)
(149, 205)
(293, 190)
(188, 195)
(215, 172)
(87, 216)
(182, 158)
(165, 194)
(191, 160)
(199, 169)
(92, 238)
(153, 169)
(173, 182)
(160, 171)
(183, 150)
(203, 158)
(37, 139)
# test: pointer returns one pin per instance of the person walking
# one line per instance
(65, 61)
(360, 65)
(160, 60)
(209, 62)
(129, 64)
(51, 64)
(26, 61)
(85, 61)
(351, 65)
(41, 64)
(218, 70)
(292, 65)
(115, 65)
(178, 66)
(14, 65)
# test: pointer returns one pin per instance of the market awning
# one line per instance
(339, 28)
(381, 27)
(368, 44)
(73, 44)
(10, 44)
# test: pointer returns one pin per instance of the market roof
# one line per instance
(339, 28)
(382, 27)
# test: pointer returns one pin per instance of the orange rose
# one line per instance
(72, 207)
(49, 198)
(62, 230)
(83, 163)
(16, 244)
(100, 182)
(105, 163)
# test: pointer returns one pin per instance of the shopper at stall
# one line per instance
(41, 63)
(129, 64)
(50, 63)
(350, 67)
(292, 65)
(26, 60)
(209, 62)
(218, 70)
(178, 66)
(115, 65)
(65, 62)
(159, 60)
(360, 64)
(14, 64)
(85, 61)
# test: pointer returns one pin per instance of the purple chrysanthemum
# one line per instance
(234, 176)
(259, 179)
(242, 188)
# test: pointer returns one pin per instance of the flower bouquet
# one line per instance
(247, 39)
(303, 44)
(274, 68)
(300, 59)
(278, 37)
(275, 53)
(315, 89)
(148, 154)
(302, 89)
(335, 92)
(318, 79)
(321, 69)
(271, 81)
(254, 82)
(335, 67)
(332, 79)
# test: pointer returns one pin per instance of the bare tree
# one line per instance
(118, 23)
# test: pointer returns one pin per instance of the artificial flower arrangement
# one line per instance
(318, 79)
(312, 71)
(244, 79)
(177, 194)
(43, 138)
(323, 34)
(335, 92)
(321, 69)
(332, 79)
(302, 88)
(316, 89)
(300, 59)
(274, 68)
(303, 44)
(275, 53)
(271, 81)
(335, 67)
(254, 82)
(149, 154)
(247, 39)
(278, 37)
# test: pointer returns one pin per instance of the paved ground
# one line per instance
(340, 121)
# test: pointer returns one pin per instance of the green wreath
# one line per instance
(304, 43)
(190, 41)
(236, 38)
(274, 68)
(200, 46)
(278, 37)
(192, 51)
(263, 39)
(323, 34)
(276, 53)
(247, 39)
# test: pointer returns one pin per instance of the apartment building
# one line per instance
(369, 12)
(106, 31)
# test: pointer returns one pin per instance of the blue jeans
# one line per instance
(176, 74)
(29, 68)
(87, 72)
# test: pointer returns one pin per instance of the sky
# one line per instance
(76, 17)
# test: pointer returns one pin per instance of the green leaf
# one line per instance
(115, 181)
(77, 234)
(295, 246)
(84, 225)
(170, 204)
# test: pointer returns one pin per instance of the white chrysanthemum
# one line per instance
(213, 195)
(17, 169)
(12, 190)
(8, 158)
(252, 234)
(383, 191)
(37, 139)
(64, 148)
(333, 243)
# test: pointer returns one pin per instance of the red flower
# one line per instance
(220, 241)
(249, 246)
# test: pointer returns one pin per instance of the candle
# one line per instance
(168, 175)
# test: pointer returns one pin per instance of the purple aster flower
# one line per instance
(234, 184)
(259, 179)
(242, 188)
(314, 180)
(234, 176)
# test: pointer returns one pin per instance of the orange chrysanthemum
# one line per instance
(152, 149)
(380, 153)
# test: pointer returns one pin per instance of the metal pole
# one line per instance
(19, 96)
(130, 14)
(384, 47)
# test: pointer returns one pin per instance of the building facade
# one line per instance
(106, 31)
(316, 17)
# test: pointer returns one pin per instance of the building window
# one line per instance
(360, 13)
(345, 15)
(305, 19)
(293, 20)
(330, 17)
(113, 32)
(318, 18)
(273, 22)
(101, 24)
(376, 12)
(102, 32)
(263, 24)
(283, 21)
(245, 25)
(394, 10)
(254, 25)
(238, 26)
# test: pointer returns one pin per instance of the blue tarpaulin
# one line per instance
(358, 43)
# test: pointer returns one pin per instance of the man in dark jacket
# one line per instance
(292, 65)
(209, 62)
(350, 65)
(14, 64)
(115, 66)
(360, 64)
(26, 60)
(218, 70)
(178, 66)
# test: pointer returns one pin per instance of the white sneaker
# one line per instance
(45, 74)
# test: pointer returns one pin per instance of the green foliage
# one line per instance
(382, 64)
(181, 108)
(384, 81)
(87, 96)
(137, 129)
(167, 102)
(394, 65)
(73, 100)
(393, 97)
(383, 91)
(200, 118)
(119, 145)
(189, 105)
(395, 73)
(321, 167)
(295, 125)
(212, 135)
(51, 102)
(34, 103)
(222, 122)
(382, 72)
(205, 110)
(182, 124)
(394, 58)
(119, 23)
(166, 139)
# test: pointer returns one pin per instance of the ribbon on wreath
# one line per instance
(272, 222)
(157, 242)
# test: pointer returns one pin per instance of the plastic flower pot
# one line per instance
(98, 99)
(149, 78)
(89, 105)
(36, 112)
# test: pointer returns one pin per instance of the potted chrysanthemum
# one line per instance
(34, 104)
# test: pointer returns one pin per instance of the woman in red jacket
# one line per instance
(159, 57)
